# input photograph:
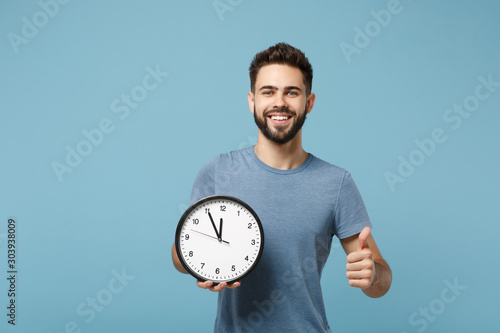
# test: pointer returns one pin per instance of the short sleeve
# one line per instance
(350, 215)
(204, 184)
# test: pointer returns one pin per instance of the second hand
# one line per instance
(208, 235)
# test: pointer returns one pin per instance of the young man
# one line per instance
(302, 203)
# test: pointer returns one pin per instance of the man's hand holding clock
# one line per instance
(219, 287)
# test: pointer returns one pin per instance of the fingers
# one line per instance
(204, 285)
(359, 255)
(234, 285)
(360, 274)
(360, 265)
(356, 275)
(218, 287)
(366, 265)
(363, 236)
(360, 283)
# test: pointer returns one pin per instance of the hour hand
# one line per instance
(213, 225)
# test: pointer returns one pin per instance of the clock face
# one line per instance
(219, 238)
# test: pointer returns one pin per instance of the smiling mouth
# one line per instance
(279, 117)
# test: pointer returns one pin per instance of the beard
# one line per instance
(280, 135)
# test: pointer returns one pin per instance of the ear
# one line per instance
(251, 101)
(310, 102)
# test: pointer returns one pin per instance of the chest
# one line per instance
(296, 210)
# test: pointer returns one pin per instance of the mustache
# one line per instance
(283, 110)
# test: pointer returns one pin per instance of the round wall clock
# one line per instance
(219, 239)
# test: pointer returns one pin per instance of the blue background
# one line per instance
(117, 210)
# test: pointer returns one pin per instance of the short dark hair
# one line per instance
(284, 54)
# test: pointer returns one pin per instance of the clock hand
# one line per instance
(220, 230)
(208, 235)
(213, 225)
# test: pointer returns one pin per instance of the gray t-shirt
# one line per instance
(300, 210)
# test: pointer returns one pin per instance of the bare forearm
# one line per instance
(382, 281)
(176, 261)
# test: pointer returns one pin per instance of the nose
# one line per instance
(280, 100)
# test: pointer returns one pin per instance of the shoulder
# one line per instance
(338, 179)
(225, 159)
(209, 167)
(231, 159)
(327, 169)
(236, 155)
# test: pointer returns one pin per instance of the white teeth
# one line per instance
(279, 117)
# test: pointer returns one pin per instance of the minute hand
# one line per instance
(213, 225)
(220, 230)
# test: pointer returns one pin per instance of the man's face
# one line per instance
(279, 103)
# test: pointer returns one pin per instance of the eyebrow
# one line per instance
(276, 88)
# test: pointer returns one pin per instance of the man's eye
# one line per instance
(292, 93)
(267, 93)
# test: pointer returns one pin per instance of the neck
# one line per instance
(285, 156)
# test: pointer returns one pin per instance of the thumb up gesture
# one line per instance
(360, 265)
